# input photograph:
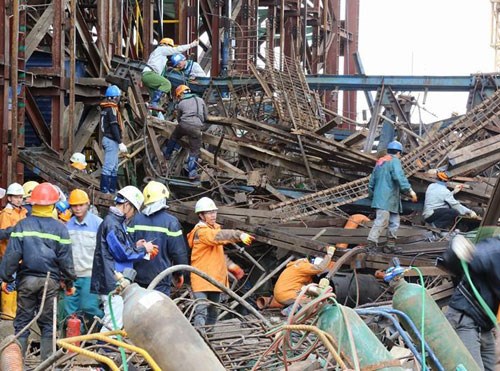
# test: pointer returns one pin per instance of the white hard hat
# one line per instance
(130, 194)
(205, 204)
(15, 189)
(78, 160)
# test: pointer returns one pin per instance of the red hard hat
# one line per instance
(44, 194)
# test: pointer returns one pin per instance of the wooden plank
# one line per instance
(86, 130)
(39, 30)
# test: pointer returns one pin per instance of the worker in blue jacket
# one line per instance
(387, 181)
(156, 224)
(466, 315)
(116, 250)
(39, 244)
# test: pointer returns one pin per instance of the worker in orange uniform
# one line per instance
(299, 273)
(207, 241)
(13, 211)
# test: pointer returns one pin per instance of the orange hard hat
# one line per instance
(181, 89)
(44, 194)
(443, 176)
(78, 197)
(65, 216)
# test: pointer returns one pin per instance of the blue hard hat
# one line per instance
(62, 206)
(113, 91)
(176, 59)
(395, 145)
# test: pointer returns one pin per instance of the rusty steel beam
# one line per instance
(36, 119)
(58, 65)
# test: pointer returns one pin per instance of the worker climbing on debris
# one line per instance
(440, 207)
(156, 224)
(475, 322)
(191, 114)
(28, 188)
(387, 181)
(189, 69)
(152, 74)
(112, 128)
(13, 211)
(82, 228)
(299, 273)
(39, 244)
(207, 241)
(115, 250)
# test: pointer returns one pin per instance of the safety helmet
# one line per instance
(177, 58)
(78, 197)
(113, 91)
(65, 215)
(443, 176)
(28, 187)
(167, 41)
(395, 145)
(205, 204)
(62, 206)
(78, 161)
(44, 194)
(15, 189)
(130, 194)
(155, 191)
(182, 89)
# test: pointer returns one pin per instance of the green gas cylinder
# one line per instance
(371, 353)
(438, 333)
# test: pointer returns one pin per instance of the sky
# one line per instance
(426, 37)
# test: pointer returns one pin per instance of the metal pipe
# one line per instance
(182, 267)
(87, 353)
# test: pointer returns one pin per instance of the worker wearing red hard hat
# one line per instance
(38, 244)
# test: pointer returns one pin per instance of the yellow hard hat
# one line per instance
(155, 191)
(78, 197)
(167, 41)
(28, 188)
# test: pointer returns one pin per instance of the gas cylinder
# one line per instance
(153, 322)
(439, 334)
(370, 351)
(9, 305)
(73, 327)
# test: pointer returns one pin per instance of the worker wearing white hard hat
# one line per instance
(13, 211)
(78, 161)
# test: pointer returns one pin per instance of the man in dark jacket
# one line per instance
(164, 230)
(116, 250)
(42, 244)
(112, 142)
(387, 181)
(470, 320)
(191, 114)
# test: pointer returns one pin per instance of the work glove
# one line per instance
(154, 252)
(122, 147)
(463, 248)
(8, 287)
(330, 250)
(246, 238)
(178, 281)
(194, 43)
(457, 188)
(413, 196)
(236, 270)
(473, 215)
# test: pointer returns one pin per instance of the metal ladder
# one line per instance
(430, 154)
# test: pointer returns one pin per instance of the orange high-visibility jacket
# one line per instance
(207, 244)
(9, 217)
(297, 273)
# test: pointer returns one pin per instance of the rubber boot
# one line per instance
(105, 180)
(156, 97)
(372, 247)
(391, 247)
(192, 164)
(24, 346)
(113, 181)
(45, 348)
(169, 148)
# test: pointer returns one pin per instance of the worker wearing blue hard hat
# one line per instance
(188, 68)
(387, 181)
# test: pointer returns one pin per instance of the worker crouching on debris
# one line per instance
(39, 244)
(387, 181)
(207, 241)
(440, 207)
(188, 68)
(115, 250)
(112, 128)
(82, 228)
(469, 318)
(156, 224)
(13, 211)
(157, 62)
(191, 115)
(299, 273)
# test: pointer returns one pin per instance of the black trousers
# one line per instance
(443, 218)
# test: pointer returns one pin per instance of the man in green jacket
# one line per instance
(386, 184)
